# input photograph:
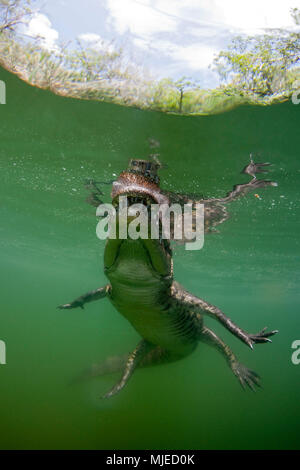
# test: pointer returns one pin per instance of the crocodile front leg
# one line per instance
(201, 306)
(241, 189)
(215, 212)
(133, 361)
(96, 294)
(244, 375)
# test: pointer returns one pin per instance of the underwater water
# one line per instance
(50, 254)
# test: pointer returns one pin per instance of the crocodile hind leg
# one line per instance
(145, 354)
(245, 376)
(96, 294)
(133, 361)
(113, 364)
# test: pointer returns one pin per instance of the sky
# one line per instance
(170, 38)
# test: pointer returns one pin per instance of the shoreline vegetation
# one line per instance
(255, 70)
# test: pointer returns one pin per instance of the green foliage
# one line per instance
(103, 62)
(164, 96)
(261, 66)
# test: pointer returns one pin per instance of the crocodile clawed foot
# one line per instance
(262, 337)
(253, 168)
(246, 377)
(110, 393)
(74, 304)
(262, 183)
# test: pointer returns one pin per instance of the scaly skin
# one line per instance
(142, 288)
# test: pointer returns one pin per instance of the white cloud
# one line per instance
(89, 37)
(138, 18)
(195, 56)
(140, 42)
(245, 15)
(95, 41)
(41, 27)
(147, 17)
(252, 15)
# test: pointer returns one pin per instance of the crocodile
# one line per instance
(141, 287)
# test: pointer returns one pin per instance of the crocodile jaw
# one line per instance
(130, 183)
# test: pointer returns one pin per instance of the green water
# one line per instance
(50, 254)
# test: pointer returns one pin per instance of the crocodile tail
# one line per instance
(108, 366)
